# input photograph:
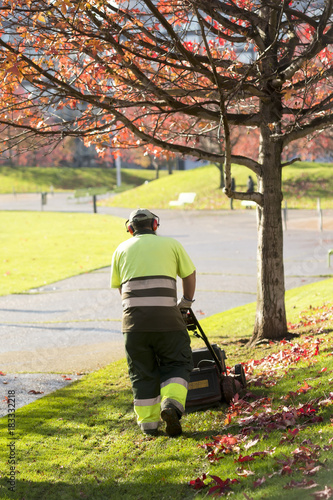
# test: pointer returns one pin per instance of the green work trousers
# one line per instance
(159, 365)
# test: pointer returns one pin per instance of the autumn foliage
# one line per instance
(154, 73)
(253, 417)
(176, 76)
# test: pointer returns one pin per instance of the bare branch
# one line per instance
(319, 123)
(285, 164)
(237, 195)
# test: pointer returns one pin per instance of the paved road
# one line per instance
(74, 325)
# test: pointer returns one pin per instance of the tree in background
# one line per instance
(148, 157)
(317, 148)
(168, 73)
(46, 156)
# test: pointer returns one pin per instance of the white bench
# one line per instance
(182, 199)
(330, 252)
(248, 203)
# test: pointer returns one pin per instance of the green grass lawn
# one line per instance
(83, 442)
(303, 183)
(38, 248)
(36, 179)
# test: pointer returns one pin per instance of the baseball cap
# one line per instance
(141, 214)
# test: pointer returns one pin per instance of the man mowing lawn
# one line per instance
(157, 344)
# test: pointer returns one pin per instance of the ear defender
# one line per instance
(154, 224)
(129, 228)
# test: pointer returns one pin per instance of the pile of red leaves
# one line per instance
(255, 418)
(291, 355)
(314, 318)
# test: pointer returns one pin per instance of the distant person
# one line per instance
(232, 187)
(250, 185)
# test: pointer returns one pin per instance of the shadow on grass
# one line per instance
(307, 186)
(93, 490)
(79, 406)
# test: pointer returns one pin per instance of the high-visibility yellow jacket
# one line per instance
(146, 267)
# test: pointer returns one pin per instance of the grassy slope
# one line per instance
(305, 182)
(302, 184)
(238, 322)
(83, 442)
(30, 179)
(233, 326)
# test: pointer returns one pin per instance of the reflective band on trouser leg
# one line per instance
(173, 393)
(148, 412)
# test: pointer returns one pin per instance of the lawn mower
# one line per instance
(210, 383)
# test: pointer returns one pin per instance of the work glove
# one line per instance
(184, 303)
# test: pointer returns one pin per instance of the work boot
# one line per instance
(170, 417)
(151, 432)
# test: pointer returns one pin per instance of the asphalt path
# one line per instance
(74, 326)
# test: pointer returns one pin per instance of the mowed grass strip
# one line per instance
(39, 248)
(303, 183)
(83, 442)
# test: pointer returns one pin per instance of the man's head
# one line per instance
(142, 220)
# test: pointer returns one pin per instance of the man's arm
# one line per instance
(188, 292)
(189, 286)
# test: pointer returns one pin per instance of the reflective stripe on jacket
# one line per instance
(149, 292)
(150, 304)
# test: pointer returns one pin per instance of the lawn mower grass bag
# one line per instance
(209, 382)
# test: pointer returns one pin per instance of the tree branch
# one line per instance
(316, 124)
(318, 43)
(290, 162)
(237, 195)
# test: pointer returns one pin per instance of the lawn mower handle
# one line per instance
(193, 324)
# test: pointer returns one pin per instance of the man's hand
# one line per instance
(184, 303)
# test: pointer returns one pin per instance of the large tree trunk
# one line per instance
(270, 322)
